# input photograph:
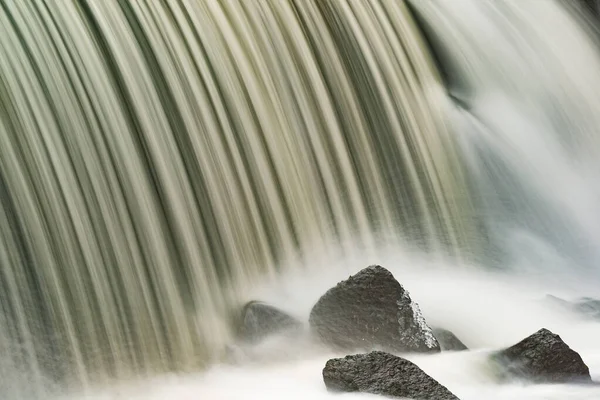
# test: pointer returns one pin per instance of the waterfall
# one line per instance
(157, 157)
(527, 104)
(155, 154)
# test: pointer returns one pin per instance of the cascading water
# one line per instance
(527, 111)
(158, 158)
(155, 154)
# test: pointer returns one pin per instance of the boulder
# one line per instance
(448, 340)
(543, 358)
(371, 311)
(382, 373)
(260, 320)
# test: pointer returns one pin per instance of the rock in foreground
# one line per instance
(371, 310)
(448, 340)
(260, 320)
(543, 358)
(382, 373)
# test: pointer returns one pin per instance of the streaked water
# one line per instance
(162, 161)
(156, 154)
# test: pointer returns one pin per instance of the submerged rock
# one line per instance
(382, 373)
(371, 310)
(448, 340)
(586, 307)
(260, 320)
(543, 357)
(557, 301)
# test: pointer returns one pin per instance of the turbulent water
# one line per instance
(163, 161)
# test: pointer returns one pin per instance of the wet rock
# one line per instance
(448, 340)
(260, 320)
(382, 373)
(543, 358)
(371, 310)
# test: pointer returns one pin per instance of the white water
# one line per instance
(156, 153)
(526, 74)
(532, 92)
(486, 310)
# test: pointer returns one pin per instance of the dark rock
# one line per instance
(260, 320)
(543, 357)
(382, 373)
(448, 340)
(371, 310)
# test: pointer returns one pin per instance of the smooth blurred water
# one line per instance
(487, 311)
(162, 162)
(156, 155)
